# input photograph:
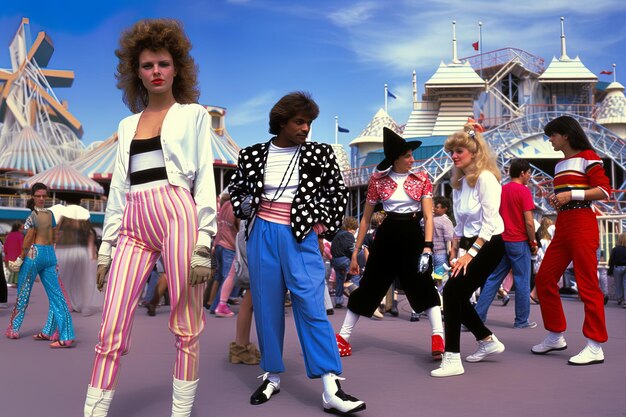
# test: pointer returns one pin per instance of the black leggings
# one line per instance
(457, 292)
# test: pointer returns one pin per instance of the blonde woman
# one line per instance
(477, 246)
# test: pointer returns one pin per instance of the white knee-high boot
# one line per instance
(183, 394)
(97, 402)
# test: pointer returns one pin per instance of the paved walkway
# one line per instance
(389, 370)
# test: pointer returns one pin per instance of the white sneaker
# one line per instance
(341, 403)
(486, 348)
(549, 344)
(587, 356)
(450, 366)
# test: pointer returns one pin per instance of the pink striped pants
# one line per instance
(161, 221)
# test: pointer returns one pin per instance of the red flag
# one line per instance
(606, 72)
(475, 46)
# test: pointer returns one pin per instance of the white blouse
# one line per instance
(476, 209)
(400, 202)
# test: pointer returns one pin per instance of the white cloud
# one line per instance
(355, 14)
(403, 35)
(252, 110)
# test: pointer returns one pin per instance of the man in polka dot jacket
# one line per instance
(291, 191)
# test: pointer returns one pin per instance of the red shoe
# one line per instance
(11, 334)
(345, 349)
(62, 344)
(438, 346)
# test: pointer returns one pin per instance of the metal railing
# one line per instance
(530, 62)
(20, 200)
(11, 182)
(93, 204)
(610, 227)
(505, 137)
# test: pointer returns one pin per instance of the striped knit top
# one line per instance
(582, 171)
(147, 164)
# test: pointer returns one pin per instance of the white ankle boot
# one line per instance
(182, 397)
(450, 365)
(97, 402)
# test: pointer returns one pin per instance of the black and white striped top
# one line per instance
(147, 164)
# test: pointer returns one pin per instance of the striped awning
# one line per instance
(225, 150)
(65, 178)
(98, 163)
(29, 153)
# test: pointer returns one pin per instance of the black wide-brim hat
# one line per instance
(394, 146)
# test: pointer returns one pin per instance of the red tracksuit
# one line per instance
(576, 239)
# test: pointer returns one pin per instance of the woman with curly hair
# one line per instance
(161, 203)
(476, 193)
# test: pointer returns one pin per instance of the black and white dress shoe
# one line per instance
(264, 392)
(341, 403)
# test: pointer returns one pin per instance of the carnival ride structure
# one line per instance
(514, 96)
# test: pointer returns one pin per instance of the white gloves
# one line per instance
(15, 265)
(426, 262)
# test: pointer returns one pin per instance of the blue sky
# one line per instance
(251, 52)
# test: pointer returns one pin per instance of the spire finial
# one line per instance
(414, 87)
(455, 58)
(563, 48)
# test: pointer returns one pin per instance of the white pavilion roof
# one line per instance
(373, 132)
(342, 156)
(455, 75)
(567, 70)
(613, 107)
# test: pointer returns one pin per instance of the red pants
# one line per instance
(576, 239)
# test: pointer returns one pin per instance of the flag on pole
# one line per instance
(390, 94)
(606, 72)
(475, 46)
(342, 129)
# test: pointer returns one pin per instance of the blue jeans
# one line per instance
(341, 265)
(224, 260)
(619, 275)
(516, 257)
(152, 283)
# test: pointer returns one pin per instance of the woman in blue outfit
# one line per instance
(38, 258)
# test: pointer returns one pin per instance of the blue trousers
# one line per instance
(277, 262)
(517, 258)
(43, 262)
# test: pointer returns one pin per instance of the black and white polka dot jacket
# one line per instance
(321, 197)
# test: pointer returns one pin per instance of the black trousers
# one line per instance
(395, 253)
(3, 284)
(457, 292)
